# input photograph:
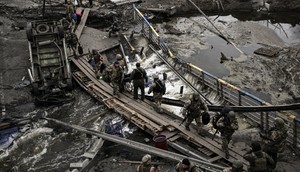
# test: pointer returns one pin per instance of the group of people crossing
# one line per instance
(260, 159)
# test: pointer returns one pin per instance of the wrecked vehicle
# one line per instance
(50, 72)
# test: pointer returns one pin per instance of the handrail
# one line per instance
(225, 90)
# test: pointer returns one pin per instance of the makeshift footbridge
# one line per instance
(143, 115)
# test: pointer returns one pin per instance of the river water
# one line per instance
(49, 147)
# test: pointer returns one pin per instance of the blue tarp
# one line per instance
(6, 138)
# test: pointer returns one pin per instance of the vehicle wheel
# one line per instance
(69, 84)
(43, 28)
(35, 89)
(61, 32)
(29, 32)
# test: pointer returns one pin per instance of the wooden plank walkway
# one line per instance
(141, 113)
(144, 116)
(84, 17)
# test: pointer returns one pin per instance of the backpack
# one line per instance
(260, 162)
(205, 118)
(215, 120)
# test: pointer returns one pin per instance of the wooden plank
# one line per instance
(89, 155)
(214, 159)
(143, 109)
(175, 137)
(81, 25)
(127, 2)
(209, 144)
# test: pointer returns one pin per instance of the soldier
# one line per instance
(120, 60)
(185, 165)
(114, 28)
(116, 77)
(96, 60)
(237, 166)
(159, 89)
(275, 139)
(145, 165)
(72, 41)
(139, 76)
(259, 160)
(227, 124)
(70, 10)
(193, 111)
(66, 24)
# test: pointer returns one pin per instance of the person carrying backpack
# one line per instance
(226, 124)
(192, 110)
(139, 77)
(159, 89)
(259, 160)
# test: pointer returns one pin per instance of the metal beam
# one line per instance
(142, 147)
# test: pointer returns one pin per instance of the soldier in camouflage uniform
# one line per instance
(116, 77)
(70, 10)
(96, 61)
(193, 111)
(275, 139)
(237, 166)
(139, 76)
(227, 124)
(159, 89)
(72, 41)
(186, 166)
(259, 160)
(121, 60)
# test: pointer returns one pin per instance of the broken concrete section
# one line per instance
(269, 51)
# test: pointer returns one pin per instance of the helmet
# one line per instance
(278, 122)
(186, 162)
(155, 76)
(196, 96)
(255, 146)
(146, 159)
(226, 109)
(119, 57)
(237, 164)
(231, 114)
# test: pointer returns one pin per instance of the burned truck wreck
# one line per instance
(50, 71)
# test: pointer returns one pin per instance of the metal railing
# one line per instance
(150, 33)
(226, 91)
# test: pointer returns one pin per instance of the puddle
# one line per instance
(209, 59)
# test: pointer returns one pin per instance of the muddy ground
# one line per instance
(278, 76)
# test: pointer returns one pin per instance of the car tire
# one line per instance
(42, 28)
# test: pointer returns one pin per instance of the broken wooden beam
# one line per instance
(127, 2)
(167, 11)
